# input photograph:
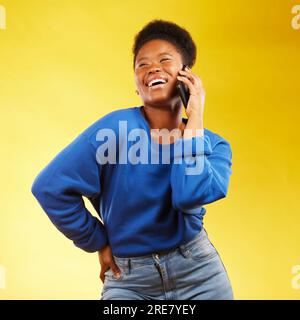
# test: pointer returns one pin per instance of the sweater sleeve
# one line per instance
(200, 173)
(59, 188)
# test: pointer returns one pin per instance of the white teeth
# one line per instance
(156, 80)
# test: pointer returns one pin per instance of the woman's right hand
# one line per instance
(107, 261)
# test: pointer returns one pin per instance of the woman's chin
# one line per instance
(160, 102)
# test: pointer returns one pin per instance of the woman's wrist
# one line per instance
(194, 127)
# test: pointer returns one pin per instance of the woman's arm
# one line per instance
(203, 175)
(59, 188)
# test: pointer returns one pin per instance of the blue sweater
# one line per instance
(144, 207)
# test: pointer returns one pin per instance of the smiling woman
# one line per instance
(163, 45)
(152, 243)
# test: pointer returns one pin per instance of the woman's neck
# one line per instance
(159, 118)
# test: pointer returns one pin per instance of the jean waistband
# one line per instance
(159, 255)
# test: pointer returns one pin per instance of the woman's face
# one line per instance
(158, 59)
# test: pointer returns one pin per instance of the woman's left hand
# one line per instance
(195, 107)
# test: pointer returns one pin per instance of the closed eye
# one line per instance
(143, 64)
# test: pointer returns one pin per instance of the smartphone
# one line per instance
(183, 90)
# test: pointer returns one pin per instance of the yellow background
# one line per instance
(64, 64)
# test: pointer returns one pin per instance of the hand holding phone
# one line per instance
(183, 90)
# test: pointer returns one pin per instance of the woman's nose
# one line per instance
(154, 68)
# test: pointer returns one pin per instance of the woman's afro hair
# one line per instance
(169, 31)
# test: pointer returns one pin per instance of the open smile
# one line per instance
(158, 86)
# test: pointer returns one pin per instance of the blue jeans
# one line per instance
(192, 271)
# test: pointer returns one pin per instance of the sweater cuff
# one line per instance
(97, 240)
(194, 146)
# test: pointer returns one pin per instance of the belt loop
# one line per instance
(128, 265)
(181, 249)
(184, 251)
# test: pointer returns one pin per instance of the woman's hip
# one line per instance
(191, 271)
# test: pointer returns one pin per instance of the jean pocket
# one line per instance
(201, 250)
(109, 275)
